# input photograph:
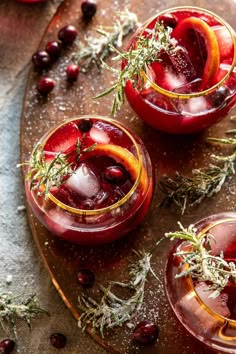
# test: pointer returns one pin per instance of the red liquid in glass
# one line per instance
(104, 198)
(182, 73)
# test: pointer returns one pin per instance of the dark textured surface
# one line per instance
(22, 27)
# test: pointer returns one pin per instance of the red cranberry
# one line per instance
(58, 340)
(41, 60)
(72, 72)
(169, 20)
(86, 278)
(45, 85)
(219, 96)
(53, 48)
(7, 346)
(67, 34)
(114, 174)
(87, 204)
(89, 8)
(85, 125)
(146, 332)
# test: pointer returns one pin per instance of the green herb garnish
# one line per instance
(148, 49)
(201, 264)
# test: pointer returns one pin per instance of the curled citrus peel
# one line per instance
(213, 52)
(124, 157)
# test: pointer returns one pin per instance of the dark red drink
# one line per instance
(102, 180)
(194, 85)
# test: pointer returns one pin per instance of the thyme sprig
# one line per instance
(191, 190)
(112, 310)
(138, 59)
(14, 307)
(97, 49)
(199, 262)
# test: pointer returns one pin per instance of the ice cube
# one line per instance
(225, 41)
(182, 64)
(84, 182)
(193, 106)
(99, 136)
(172, 81)
(218, 304)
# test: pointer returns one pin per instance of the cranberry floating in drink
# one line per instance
(90, 180)
(189, 82)
(202, 291)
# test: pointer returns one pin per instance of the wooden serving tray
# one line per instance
(168, 154)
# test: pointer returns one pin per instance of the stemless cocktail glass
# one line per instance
(108, 188)
(194, 85)
(211, 320)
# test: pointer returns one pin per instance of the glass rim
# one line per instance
(127, 196)
(225, 219)
(172, 94)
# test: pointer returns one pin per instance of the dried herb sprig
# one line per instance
(188, 191)
(138, 59)
(199, 262)
(14, 307)
(112, 310)
(97, 49)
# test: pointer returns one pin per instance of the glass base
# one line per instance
(212, 321)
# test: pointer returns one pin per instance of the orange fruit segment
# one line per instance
(213, 52)
(126, 158)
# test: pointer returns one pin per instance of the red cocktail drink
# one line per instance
(90, 180)
(208, 317)
(193, 85)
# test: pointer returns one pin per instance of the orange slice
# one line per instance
(126, 158)
(213, 53)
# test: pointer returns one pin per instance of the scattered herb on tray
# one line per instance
(98, 48)
(112, 310)
(15, 306)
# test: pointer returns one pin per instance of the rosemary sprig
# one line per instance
(198, 261)
(188, 191)
(45, 175)
(13, 307)
(138, 59)
(97, 49)
(112, 310)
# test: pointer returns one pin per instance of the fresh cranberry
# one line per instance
(114, 174)
(58, 340)
(168, 20)
(86, 278)
(7, 346)
(219, 96)
(85, 125)
(41, 60)
(89, 8)
(45, 85)
(53, 48)
(146, 332)
(72, 72)
(67, 34)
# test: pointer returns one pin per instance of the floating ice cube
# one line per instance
(84, 182)
(182, 64)
(218, 304)
(172, 81)
(193, 106)
(99, 136)
(224, 40)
